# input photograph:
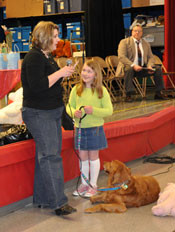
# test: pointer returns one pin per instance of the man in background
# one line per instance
(136, 60)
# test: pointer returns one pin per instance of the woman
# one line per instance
(42, 110)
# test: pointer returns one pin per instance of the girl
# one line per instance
(96, 102)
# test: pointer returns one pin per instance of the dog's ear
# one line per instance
(115, 178)
(115, 164)
(120, 172)
(129, 169)
(106, 166)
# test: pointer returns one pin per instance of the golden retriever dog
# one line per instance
(133, 191)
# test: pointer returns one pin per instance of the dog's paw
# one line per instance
(88, 210)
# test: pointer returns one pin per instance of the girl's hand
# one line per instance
(78, 113)
(88, 109)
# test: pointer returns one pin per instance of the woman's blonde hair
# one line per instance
(97, 83)
(42, 36)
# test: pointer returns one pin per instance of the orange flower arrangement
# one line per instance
(64, 49)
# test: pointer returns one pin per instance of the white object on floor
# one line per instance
(166, 202)
(11, 114)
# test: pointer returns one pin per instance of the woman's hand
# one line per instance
(66, 71)
(88, 109)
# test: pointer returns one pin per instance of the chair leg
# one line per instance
(139, 88)
(108, 87)
(167, 74)
(144, 81)
(121, 86)
(152, 79)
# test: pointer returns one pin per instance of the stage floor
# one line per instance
(139, 107)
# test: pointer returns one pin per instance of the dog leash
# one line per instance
(123, 186)
(79, 128)
(119, 186)
(79, 142)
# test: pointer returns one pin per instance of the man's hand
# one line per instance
(137, 68)
(151, 70)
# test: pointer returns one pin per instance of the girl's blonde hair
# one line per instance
(42, 36)
(97, 83)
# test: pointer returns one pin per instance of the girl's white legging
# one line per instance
(94, 167)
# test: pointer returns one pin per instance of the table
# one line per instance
(8, 80)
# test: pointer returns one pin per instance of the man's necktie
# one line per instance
(139, 54)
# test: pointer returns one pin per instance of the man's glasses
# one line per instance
(137, 31)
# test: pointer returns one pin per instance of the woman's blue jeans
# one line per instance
(45, 127)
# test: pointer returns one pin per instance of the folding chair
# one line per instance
(69, 82)
(105, 72)
(112, 62)
(165, 72)
(80, 63)
(141, 88)
(102, 64)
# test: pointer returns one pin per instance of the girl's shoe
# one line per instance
(82, 189)
(91, 192)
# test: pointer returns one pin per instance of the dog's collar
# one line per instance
(123, 186)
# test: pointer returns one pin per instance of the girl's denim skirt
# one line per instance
(90, 138)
